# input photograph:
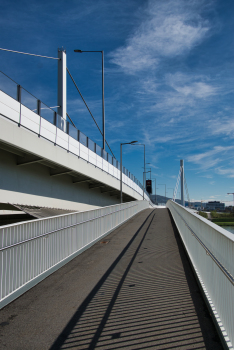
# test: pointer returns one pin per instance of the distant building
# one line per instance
(215, 205)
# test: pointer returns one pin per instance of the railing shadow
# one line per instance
(97, 290)
(147, 299)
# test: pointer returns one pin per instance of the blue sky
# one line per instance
(169, 79)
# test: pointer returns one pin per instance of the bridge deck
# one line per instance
(134, 290)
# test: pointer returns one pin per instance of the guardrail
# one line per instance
(30, 251)
(21, 107)
(211, 251)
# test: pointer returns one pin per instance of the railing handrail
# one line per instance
(59, 229)
(44, 248)
(208, 251)
(26, 91)
(206, 221)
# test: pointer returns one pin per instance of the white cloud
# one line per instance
(210, 158)
(153, 166)
(171, 28)
(207, 176)
(191, 85)
(229, 172)
(222, 126)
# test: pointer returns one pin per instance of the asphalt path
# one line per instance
(134, 289)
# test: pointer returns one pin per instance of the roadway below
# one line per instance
(135, 289)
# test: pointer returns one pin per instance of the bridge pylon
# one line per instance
(62, 84)
(182, 181)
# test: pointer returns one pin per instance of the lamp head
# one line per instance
(80, 51)
(133, 142)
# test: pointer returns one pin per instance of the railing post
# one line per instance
(38, 107)
(55, 123)
(55, 119)
(62, 84)
(78, 139)
(39, 113)
(19, 93)
(19, 90)
(67, 130)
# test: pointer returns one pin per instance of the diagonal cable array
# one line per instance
(177, 184)
(186, 188)
(88, 109)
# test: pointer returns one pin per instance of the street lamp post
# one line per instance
(150, 170)
(142, 144)
(154, 179)
(103, 104)
(121, 168)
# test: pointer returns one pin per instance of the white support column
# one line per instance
(62, 83)
(182, 181)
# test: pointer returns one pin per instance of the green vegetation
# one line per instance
(215, 215)
(203, 214)
(231, 223)
(229, 219)
(224, 219)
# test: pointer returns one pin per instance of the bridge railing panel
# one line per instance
(111, 170)
(11, 111)
(47, 130)
(99, 162)
(62, 139)
(92, 157)
(211, 251)
(105, 166)
(29, 119)
(9, 86)
(47, 113)
(115, 172)
(74, 146)
(30, 251)
(28, 100)
(84, 152)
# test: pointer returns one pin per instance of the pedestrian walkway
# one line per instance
(133, 290)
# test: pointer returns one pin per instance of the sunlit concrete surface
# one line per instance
(133, 290)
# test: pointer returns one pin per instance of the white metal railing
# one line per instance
(30, 251)
(211, 251)
(23, 116)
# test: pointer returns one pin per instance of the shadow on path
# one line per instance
(147, 299)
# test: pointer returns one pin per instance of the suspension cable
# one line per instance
(71, 120)
(30, 54)
(88, 110)
(186, 187)
(177, 184)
